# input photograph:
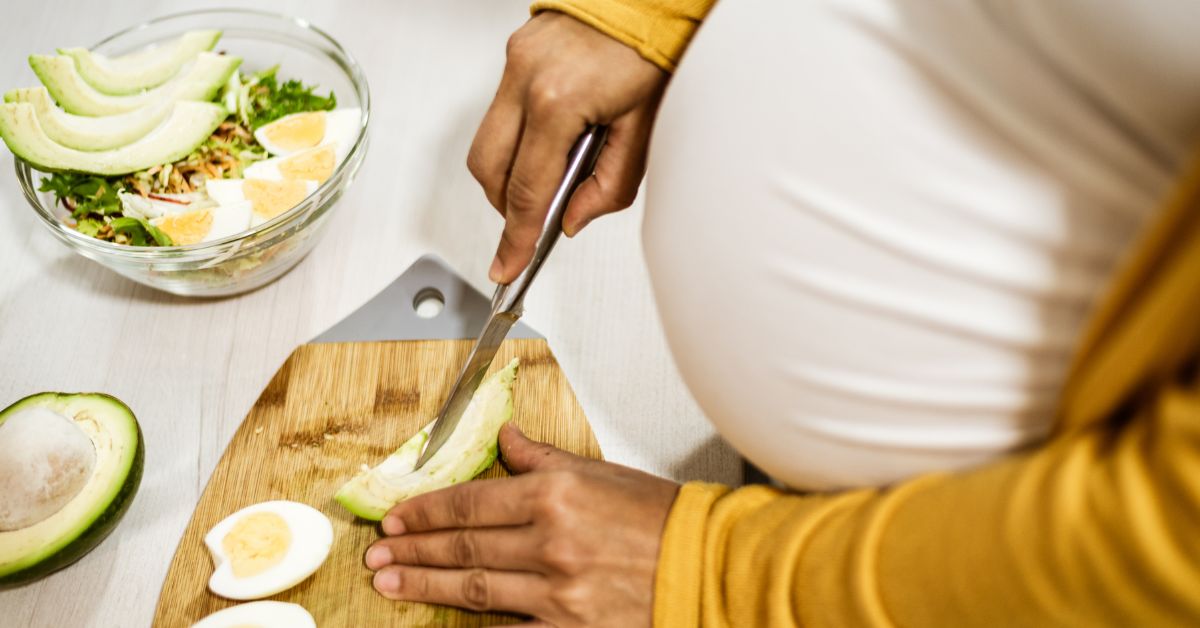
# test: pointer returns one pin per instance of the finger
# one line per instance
(537, 170)
(529, 624)
(619, 172)
(523, 455)
(474, 589)
(495, 144)
(511, 548)
(478, 504)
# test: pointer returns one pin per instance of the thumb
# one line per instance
(523, 455)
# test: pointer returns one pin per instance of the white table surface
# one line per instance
(191, 369)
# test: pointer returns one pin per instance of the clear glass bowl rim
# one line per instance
(25, 173)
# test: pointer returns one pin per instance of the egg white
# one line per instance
(312, 537)
(341, 128)
(229, 219)
(227, 192)
(265, 614)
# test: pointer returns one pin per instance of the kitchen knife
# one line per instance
(508, 300)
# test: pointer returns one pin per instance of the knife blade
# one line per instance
(508, 300)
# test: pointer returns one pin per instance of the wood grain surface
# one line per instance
(329, 409)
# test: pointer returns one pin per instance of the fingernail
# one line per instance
(393, 526)
(573, 230)
(387, 581)
(497, 268)
(378, 557)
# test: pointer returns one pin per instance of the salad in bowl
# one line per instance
(182, 164)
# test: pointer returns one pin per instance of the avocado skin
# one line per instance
(101, 527)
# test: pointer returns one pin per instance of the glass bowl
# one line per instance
(253, 258)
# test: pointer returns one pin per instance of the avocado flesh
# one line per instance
(62, 538)
(207, 74)
(469, 451)
(96, 133)
(132, 73)
(189, 125)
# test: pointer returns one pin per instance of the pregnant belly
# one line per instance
(869, 262)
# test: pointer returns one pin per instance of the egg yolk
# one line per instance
(187, 227)
(314, 165)
(299, 130)
(271, 198)
(256, 543)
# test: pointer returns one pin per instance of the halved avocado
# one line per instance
(34, 551)
(190, 124)
(62, 80)
(134, 72)
(469, 451)
(93, 133)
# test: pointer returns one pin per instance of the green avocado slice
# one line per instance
(190, 124)
(470, 450)
(95, 133)
(32, 552)
(134, 72)
(61, 78)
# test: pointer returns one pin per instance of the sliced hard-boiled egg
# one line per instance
(266, 548)
(313, 164)
(298, 131)
(158, 205)
(267, 198)
(205, 224)
(265, 614)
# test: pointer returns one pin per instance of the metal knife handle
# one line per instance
(581, 161)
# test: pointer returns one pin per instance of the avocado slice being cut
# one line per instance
(470, 450)
(96, 133)
(190, 124)
(73, 94)
(50, 523)
(144, 69)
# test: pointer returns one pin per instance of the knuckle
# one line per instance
(516, 49)
(475, 592)
(476, 166)
(462, 507)
(463, 549)
(555, 493)
(547, 96)
(522, 197)
(574, 600)
(416, 519)
(561, 555)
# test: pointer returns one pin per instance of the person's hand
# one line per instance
(561, 76)
(567, 541)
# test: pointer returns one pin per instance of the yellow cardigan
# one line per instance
(1101, 525)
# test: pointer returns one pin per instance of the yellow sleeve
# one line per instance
(658, 29)
(1098, 528)
(1101, 526)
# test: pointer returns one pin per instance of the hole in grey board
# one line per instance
(429, 302)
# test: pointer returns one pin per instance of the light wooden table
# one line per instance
(191, 369)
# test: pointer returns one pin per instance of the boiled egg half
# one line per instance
(312, 164)
(266, 548)
(206, 224)
(265, 614)
(267, 198)
(298, 131)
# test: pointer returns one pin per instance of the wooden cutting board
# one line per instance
(329, 409)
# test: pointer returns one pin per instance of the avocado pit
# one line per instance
(45, 461)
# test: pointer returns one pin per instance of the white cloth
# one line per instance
(875, 228)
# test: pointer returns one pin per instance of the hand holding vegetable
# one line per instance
(568, 541)
(561, 76)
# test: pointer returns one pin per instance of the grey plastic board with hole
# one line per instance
(392, 315)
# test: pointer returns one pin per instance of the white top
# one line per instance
(875, 228)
